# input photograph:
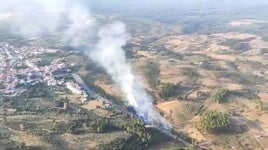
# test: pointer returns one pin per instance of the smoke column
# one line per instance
(35, 17)
(109, 54)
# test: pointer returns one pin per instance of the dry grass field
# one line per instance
(225, 67)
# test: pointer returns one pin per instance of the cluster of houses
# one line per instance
(18, 70)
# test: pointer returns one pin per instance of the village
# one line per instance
(19, 70)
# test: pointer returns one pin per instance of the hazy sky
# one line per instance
(39, 16)
(179, 3)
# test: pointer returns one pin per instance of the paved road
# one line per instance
(95, 95)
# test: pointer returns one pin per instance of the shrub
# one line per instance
(219, 95)
(213, 121)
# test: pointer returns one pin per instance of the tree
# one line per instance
(103, 126)
(214, 122)
(152, 72)
(169, 90)
(137, 128)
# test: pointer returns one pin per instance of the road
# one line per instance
(95, 95)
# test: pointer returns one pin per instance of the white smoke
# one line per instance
(110, 55)
(80, 21)
(39, 17)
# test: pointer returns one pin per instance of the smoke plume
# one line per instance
(37, 17)
(109, 54)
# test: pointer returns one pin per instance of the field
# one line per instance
(217, 64)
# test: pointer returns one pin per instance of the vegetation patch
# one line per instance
(152, 72)
(214, 122)
(169, 90)
(219, 95)
(237, 45)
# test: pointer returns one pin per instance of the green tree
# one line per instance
(214, 122)
(152, 72)
(169, 90)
